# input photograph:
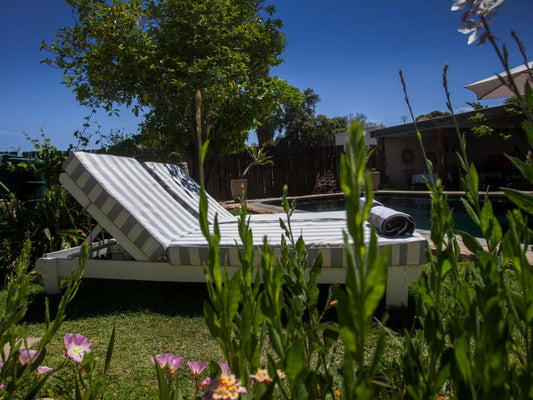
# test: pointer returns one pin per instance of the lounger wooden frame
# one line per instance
(59, 264)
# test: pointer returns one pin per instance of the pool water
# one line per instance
(417, 206)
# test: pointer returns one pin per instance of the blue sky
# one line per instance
(348, 52)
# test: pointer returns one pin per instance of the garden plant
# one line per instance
(473, 333)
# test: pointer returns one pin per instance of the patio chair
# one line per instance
(156, 239)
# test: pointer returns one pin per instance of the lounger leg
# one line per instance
(398, 281)
(50, 271)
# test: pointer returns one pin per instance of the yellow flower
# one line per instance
(224, 387)
(262, 377)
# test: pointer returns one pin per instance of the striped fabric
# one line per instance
(151, 225)
(135, 207)
(186, 191)
(320, 235)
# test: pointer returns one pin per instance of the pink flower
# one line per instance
(76, 346)
(27, 356)
(174, 363)
(224, 367)
(162, 359)
(41, 369)
(224, 387)
(205, 383)
(168, 362)
(197, 367)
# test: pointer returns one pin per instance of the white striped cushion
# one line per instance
(132, 201)
(324, 236)
(185, 190)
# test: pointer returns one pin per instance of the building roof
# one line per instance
(495, 117)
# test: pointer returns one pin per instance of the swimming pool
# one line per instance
(418, 206)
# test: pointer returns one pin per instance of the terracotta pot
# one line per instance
(374, 176)
(237, 187)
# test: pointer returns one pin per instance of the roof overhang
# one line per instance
(495, 117)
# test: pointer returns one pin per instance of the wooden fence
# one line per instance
(300, 168)
(305, 170)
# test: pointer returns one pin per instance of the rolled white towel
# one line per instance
(389, 222)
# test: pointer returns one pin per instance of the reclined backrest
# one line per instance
(185, 190)
(127, 202)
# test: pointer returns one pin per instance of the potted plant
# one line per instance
(374, 173)
(374, 177)
(259, 157)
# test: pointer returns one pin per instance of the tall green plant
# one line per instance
(22, 379)
(233, 314)
(476, 333)
(305, 345)
(366, 274)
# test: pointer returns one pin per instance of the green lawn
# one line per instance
(150, 318)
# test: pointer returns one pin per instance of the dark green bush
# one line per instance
(53, 223)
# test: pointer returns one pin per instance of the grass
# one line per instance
(150, 318)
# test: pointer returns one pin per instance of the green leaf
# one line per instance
(295, 361)
(470, 211)
(203, 151)
(109, 352)
(36, 388)
(212, 320)
(462, 358)
(275, 340)
(164, 390)
(525, 169)
(470, 242)
(521, 199)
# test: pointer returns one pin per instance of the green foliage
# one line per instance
(476, 105)
(259, 157)
(298, 125)
(366, 275)
(432, 114)
(122, 144)
(475, 334)
(49, 159)
(303, 341)
(53, 223)
(475, 340)
(19, 379)
(153, 56)
(480, 130)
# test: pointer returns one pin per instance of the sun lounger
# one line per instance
(187, 192)
(156, 238)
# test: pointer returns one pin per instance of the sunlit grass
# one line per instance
(150, 318)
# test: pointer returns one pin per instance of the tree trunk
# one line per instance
(265, 133)
(195, 170)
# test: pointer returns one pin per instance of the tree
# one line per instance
(154, 56)
(432, 114)
(297, 124)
